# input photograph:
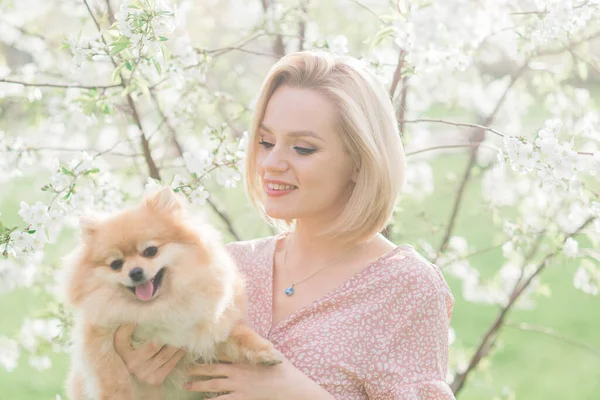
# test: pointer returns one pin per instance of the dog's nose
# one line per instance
(136, 274)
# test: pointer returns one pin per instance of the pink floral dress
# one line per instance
(383, 335)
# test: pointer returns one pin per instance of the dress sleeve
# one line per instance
(412, 362)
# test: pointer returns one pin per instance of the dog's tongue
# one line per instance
(144, 292)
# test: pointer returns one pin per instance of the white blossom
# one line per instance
(9, 353)
(227, 177)
(40, 363)
(198, 162)
(198, 196)
(571, 247)
(34, 330)
(587, 279)
(36, 216)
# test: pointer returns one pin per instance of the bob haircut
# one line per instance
(368, 128)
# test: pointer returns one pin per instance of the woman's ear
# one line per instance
(355, 175)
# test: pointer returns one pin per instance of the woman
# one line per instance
(355, 316)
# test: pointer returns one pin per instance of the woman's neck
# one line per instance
(306, 247)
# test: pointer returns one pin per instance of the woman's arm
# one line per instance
(257, 382)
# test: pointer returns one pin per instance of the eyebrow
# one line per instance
(300, 133)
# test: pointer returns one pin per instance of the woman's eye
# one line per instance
(304, 151)
(266, 145)
(150, 251)
(116, 265)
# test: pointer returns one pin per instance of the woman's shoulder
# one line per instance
(408, 275)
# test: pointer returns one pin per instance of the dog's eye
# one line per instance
(116, 265)
(150, 251)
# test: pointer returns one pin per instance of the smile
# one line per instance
(276, 186)
(273, 189)
(145, 291)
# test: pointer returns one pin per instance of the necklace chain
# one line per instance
(291, 289)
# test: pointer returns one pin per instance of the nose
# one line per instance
(275, 161)
(136, 274)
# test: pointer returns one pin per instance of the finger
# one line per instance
(122, 339)
(138, 361)
(155, 376)
(148, 351)
(167, 367)
(210, 386)
(210, 370)
(163, 356)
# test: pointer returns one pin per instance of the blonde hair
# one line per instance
(367, 126)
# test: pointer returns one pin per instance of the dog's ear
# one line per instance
(164, 200)
(89, 226)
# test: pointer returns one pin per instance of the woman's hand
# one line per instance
(151, 363)
(256, 382)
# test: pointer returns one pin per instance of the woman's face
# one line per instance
(305, 172)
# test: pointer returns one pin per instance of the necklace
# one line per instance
(291, 289)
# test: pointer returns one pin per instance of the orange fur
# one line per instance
(199, 306)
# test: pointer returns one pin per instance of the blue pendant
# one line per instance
(289, 291)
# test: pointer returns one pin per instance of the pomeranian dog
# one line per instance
(156, 267)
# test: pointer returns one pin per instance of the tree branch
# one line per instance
(477, 137)
(165, 120)
(450, 146)
(302, 24)
(370, 11)
(153, 170)
(441, 121)
(61, 86)
(397, 73)
(472, 254)
(278, 46)
(491, 334)
(523, 326)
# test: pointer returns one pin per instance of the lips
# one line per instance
(145, 291)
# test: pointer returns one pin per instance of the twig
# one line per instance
(278, 46)
(302, 24)
(441, 121)
(450, 146)
(573, 44)
(397, 73)
(49, 148)
(523, 326)
(401, 111)
(472, 254)
(370, 11)
(62, 86)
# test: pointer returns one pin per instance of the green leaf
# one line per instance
(92, 171)
(128, 66)
(163, 39)
(66, 171)
(31, 231)
(382, 35)
(116, 72)
(118, 47)
(157, 66)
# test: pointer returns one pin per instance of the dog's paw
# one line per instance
(267, 357)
